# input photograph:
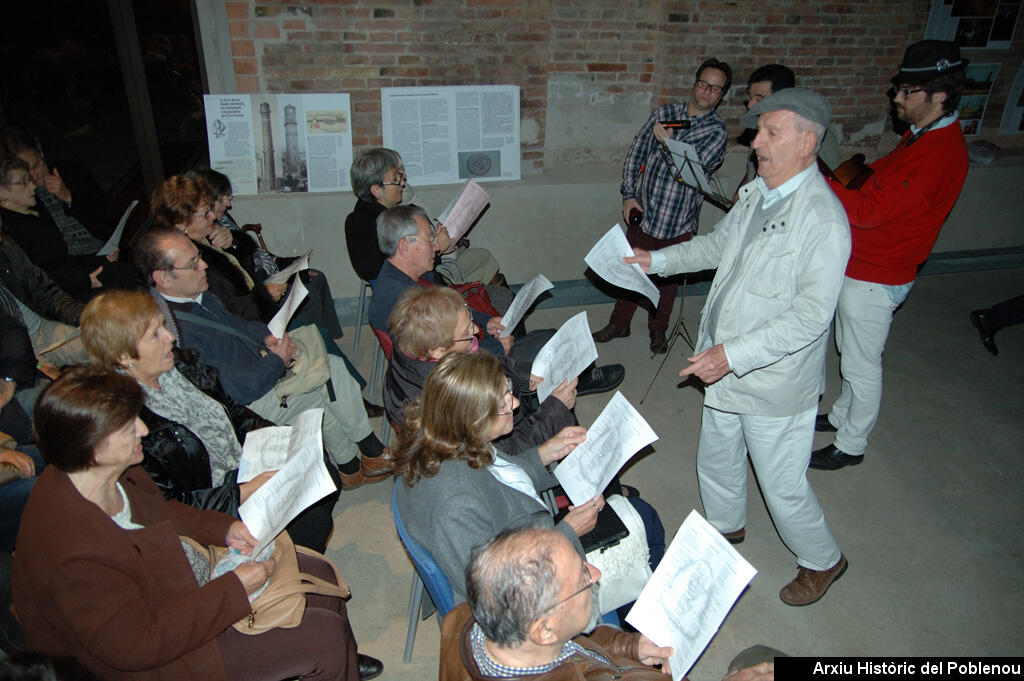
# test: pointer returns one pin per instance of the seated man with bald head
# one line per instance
(531, 600)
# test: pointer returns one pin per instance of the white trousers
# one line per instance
(345, 420)
(780, 449)
(863, 318)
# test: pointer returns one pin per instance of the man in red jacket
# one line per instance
(894, 219)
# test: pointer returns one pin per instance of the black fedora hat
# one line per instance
(927, 59)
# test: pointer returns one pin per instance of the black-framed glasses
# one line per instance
(704, 85)
(400, 179)
(192, 264)
(590, 583)
(508, 399)
(905, 92)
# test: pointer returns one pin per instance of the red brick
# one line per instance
(237, 10)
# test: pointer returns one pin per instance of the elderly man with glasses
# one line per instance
(531, 598)
(658, 210)
(895, 219)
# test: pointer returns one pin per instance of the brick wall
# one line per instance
(623, 53)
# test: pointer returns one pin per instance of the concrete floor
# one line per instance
(930, 522)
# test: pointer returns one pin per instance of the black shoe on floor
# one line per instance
(609, 332)
(369, 667)
(372, 410)
(823, 425)
(831, 459)
(659, 344)
(600, 379)
(986, 329)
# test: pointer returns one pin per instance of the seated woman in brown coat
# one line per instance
(101, 573)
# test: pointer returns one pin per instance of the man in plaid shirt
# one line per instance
(669, 210)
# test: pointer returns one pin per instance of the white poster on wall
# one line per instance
(281, 143)
(452, 134)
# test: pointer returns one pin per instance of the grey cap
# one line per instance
(801, 101)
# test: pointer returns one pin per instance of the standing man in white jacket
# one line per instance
(780, 254)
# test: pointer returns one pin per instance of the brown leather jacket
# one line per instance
(457, 663)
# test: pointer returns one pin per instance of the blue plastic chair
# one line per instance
(426, 573)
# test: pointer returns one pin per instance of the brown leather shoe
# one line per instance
(609, 332)
(736, 537)
(378, 465)
(358, 479)
(810, 585)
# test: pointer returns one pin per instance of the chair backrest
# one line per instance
(426, 567)
(385, 342)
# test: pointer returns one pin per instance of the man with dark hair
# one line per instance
(764, 82)
(251, 361)
(531, 598)
(895, 219)
(659, 211)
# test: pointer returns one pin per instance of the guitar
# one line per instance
(851, 173)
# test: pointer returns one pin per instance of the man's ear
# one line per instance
(377, 191)
(160, 277)
(807, 142)
(435, 353)
(940, 97)
(541, 632)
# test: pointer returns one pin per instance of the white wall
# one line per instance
(546, 223)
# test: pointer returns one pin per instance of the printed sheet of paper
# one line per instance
(264, 449)
(464, 209)
(691, 592)
(605, 258)
(300, 482)
(689, 165)
(565, 356)
(279, 324)
(115, 239)
(617, 434)
(284, 275)
(522, 302)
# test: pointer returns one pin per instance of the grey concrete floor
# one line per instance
(930, 522)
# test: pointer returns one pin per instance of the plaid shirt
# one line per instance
(492, 669)
(670, 208)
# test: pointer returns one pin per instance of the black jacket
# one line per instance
(176, 458)
(32, 286)
(404, 381)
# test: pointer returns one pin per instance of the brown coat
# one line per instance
(457, 663)
(124, 603)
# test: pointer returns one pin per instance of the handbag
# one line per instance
(624, 567)
(476, 297)
(310, 370)
(282, 602)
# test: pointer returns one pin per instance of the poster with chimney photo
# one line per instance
(281, 143)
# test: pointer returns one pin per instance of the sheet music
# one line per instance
(279, 324)
(689, 165)
(565, 356)
(617, 434)
(264, 449)
(284, 275)
(464, 209)
(605, 258)
(115, 239)
(522, 302)
(300, 482)
(691, 592)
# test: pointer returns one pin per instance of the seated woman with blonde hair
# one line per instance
(102, 573)
(457, 490)
(193, 447)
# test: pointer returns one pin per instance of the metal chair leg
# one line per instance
(359, 315)
(415, 598)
